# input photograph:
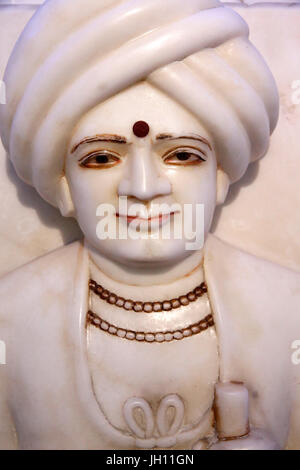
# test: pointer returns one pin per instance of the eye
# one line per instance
(185, 156)
(100, 159)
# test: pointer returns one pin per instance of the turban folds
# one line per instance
(75, 54)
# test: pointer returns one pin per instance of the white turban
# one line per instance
(74, 54)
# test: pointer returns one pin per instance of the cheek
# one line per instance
(194, 186)
(89, 188)
(197, 187)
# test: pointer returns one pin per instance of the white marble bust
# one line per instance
(143, 343)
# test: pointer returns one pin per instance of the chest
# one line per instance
(164, 387)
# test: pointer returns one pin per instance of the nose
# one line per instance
(143, 179)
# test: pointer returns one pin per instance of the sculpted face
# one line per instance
(141, 145)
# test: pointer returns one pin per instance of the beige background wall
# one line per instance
(262, 214)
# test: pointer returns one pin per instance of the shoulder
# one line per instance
(48, 275)
(249, 293)
(241, 282)
(57, 261)
(230, 261)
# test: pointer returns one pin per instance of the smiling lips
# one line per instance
(159, 218)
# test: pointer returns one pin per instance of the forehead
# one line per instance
(141, 102)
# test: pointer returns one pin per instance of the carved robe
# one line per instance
(46, 395)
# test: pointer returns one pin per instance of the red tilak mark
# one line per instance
(141, 129)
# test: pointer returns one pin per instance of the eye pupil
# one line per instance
(183, 156)
(102, 158)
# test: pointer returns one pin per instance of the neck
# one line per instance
(146, 275)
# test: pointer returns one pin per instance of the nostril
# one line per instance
(164, 186)
(124, 188)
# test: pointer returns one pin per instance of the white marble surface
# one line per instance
(262, 213)
(263, 222)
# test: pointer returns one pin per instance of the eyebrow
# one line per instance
(113, 138)
(190, 137)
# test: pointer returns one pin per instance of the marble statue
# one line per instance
(136, 341)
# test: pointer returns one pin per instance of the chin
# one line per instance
(146, 252)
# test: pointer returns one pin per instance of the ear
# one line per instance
(64, 199)
(223, 184)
